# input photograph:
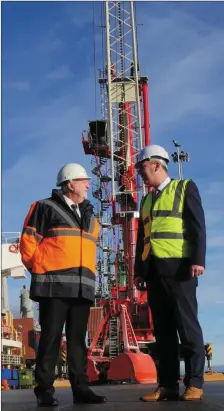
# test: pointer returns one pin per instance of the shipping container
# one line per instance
(13, 383)
(26, 327)
(9, 374)
(6, 374)
(15, 374)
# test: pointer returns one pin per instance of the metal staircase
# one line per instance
(114, 337)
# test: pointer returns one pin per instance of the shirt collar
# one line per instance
(164, 184)
(69, 201)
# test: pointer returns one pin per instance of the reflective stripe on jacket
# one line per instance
(59, 250)
(164, 231)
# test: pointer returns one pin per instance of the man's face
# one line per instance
(147, 172)
(80, 188)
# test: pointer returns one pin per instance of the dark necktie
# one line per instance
(76, 209)
(157, 192)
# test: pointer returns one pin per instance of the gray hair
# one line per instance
(64, 187)
(163, 163)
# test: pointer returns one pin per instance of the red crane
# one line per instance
(119, 349)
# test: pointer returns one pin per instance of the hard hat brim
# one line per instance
(151, 158)
(137, 165)
(80, 178)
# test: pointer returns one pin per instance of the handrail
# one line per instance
(10, 239)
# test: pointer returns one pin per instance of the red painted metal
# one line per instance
(134, 366)
(95, 316)
(139, 312)
(98, 343)
(88, 149)
(146, 113)
(128, 335)
(92, 371)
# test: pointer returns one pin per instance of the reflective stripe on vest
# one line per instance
(60, 211)
(64, 248)
(164, 233)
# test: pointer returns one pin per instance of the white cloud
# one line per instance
(19, 85)
(212, 194)
(215, 188)
(216, 242)
(83, 16)
(211, 283)
(55, 118)
(61, 73)
(56, 129)
(213, 216)
(57, 44)
(210, 295)
(183, 57)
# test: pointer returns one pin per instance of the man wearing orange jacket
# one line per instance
(58, 247)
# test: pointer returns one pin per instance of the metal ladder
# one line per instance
(114, 342)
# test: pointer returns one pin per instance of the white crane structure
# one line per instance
(11, 266)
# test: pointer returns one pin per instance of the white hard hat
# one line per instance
(71, 171)
(150, 152)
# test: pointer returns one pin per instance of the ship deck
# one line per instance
(124, 397)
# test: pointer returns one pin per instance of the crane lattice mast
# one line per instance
(114, 142)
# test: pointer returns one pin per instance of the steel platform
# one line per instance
(123, 397)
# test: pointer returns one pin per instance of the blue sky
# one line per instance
(48, 97)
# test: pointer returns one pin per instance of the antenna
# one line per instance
(179, 157)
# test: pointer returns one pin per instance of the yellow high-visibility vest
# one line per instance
(165, 235)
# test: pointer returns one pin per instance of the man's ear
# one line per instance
(70, 187)
(157, 166)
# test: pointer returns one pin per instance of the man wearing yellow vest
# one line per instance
(58, 247)
(170, 255)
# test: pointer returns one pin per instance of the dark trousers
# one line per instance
(174, 310)
(53, 313)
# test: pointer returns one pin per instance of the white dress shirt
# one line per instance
(164, 184)
(71, 203)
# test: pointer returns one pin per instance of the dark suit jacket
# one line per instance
(194, 219)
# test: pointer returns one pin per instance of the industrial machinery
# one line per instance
(11, 338)
(131, 364)
(113, 141)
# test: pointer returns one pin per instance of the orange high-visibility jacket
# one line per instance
(59, 249)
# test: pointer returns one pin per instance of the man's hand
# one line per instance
(139, 283)
(197, 270)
